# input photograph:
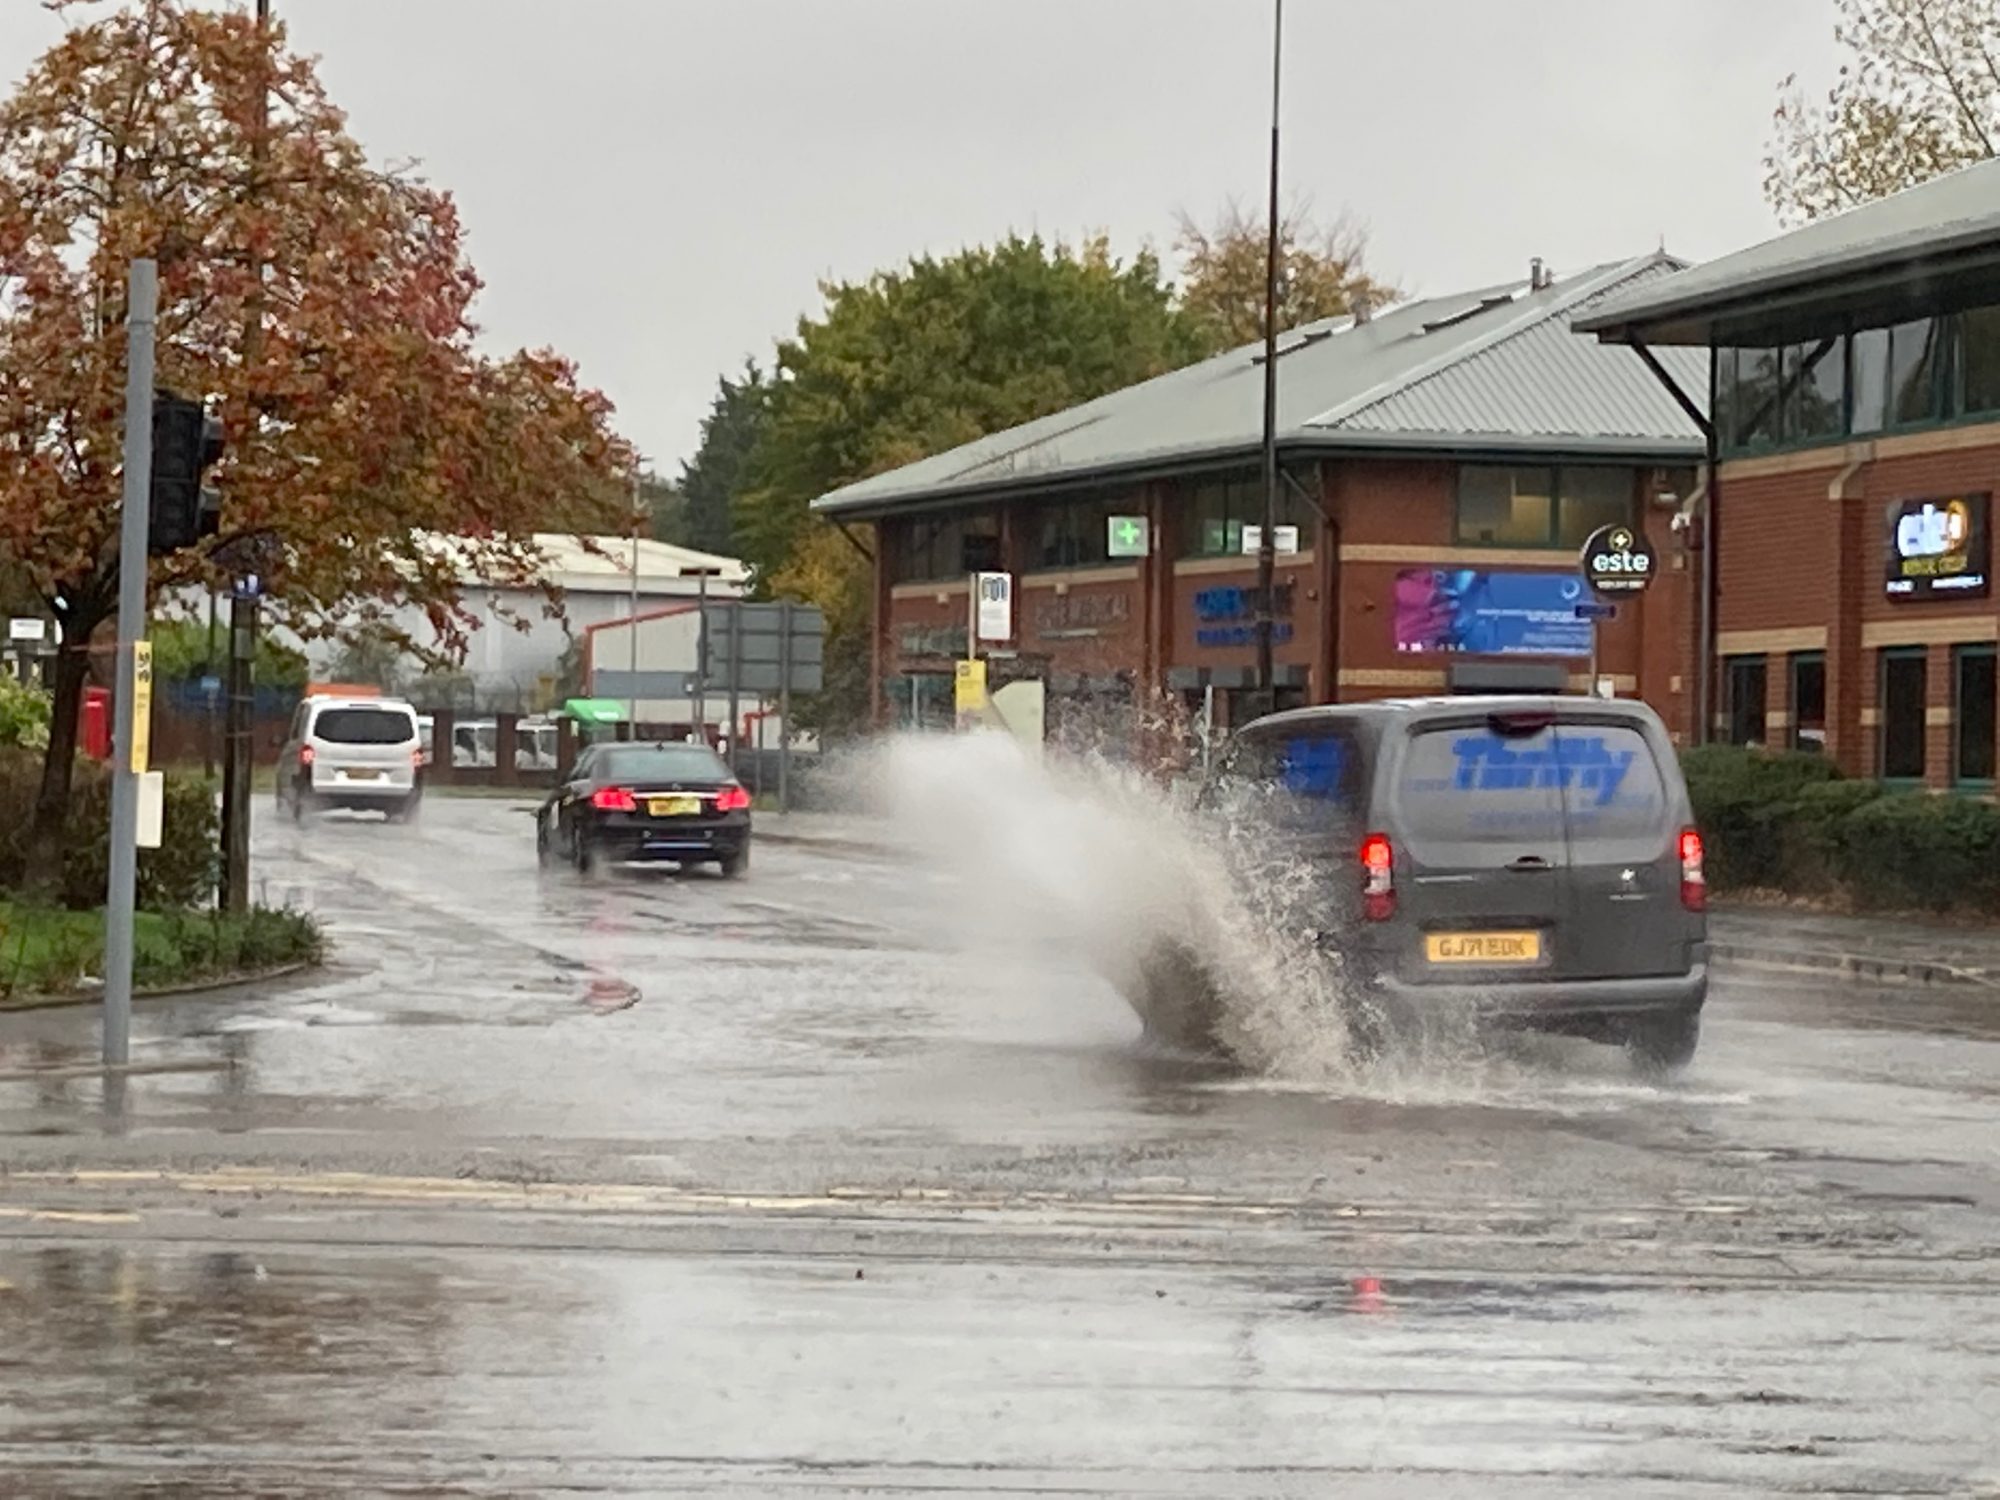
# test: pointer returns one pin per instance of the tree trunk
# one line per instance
(46, 838)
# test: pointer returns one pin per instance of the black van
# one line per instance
(1532, 860)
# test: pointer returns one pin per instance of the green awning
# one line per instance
(595, 710)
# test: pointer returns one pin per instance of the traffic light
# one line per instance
(186, 442)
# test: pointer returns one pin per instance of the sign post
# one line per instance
(1617, 562)
(134, 660)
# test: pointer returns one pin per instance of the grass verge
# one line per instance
(48, 952)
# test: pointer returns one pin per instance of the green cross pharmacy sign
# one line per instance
(1129, 536)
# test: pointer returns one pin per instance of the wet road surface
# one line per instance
(814, 1184)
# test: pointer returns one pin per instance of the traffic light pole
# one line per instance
(141, 304)
(236, 738)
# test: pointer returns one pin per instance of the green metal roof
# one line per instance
(1490, 371)
(1925, 230)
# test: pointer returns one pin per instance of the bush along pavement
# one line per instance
(1792, 823)
(52, 941)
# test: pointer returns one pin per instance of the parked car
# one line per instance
(356, 753)
(633, 803)
(1533, 861)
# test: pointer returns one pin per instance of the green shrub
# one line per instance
(180, 873)
(48, 952)
(1812, 835)
(1743, 803)
(1911, 850)
(24, 714)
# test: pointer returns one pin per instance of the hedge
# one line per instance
(1793, 823)
(180, 873)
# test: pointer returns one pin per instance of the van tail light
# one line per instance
(1694, 884)
(305, 756)
(1378, 878)
(732, 799)
(614, 799)
(417, 758)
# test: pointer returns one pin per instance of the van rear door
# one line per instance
(1623, 808)
(1478, 842)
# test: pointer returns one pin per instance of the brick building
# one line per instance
(1443, 462)
(1855, 381)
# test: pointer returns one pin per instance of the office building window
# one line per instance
(1216, 514)
(929, 549)
(1744, 682)
(1075, 532)
(1972, 714)
(1902, 707)
(1508, 505)
(1809, 702)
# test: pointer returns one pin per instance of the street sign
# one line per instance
(993, 605)
(1284, 539)
(1128, 536)
(1595, 610)
(249, 586)
(969, 691)
(27, 628)
(744, 647)
(142, 706)
(1618, 560)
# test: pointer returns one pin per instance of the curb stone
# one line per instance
(1851, 965)
(93, 994)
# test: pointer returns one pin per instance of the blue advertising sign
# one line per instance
(1485, 613)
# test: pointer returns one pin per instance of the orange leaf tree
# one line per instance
(323, 305)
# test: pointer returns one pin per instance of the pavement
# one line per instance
(853, 1178)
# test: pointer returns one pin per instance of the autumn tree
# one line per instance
(321, 303)
(1224, 266)
(914, 361)
(1918, 96)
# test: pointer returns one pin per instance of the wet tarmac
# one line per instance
(817, 1184)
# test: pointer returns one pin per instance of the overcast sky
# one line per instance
(655, 187)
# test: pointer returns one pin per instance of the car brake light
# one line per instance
(614, 799)
(1694, 883)
(732, 799)
(1378, 878)
(305, 755)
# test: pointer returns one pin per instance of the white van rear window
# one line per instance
(364, 726)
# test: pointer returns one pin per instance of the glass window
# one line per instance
(1589, 498)
(1973, 713)
(929, 548)
(1914, 366)
(1809, 702)
(1476, 785)
(1303, 776)
(1816, 406)
(1745, 679)
(1215, 512)
(365, 726)
(1979, 348)
(1758, 382)
(1505, 506)
(644, 763)
(1870, 365)
(1902, 704)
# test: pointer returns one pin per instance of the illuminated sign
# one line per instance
(1938, 549)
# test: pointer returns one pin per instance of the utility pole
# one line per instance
(141, 304)
(632, 613)
(1267, 538)
(239, 709)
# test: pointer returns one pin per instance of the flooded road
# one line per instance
(835, 1181)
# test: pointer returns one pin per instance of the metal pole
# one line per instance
(735, 681)
(784, 706)
(208, 698)
(1591, 688)
(1267, 540)
(236, 752)
(121, 890)
(701, 656)
(633, 613)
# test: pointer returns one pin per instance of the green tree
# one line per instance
(1918, 96)
(181, 652)
(917, 360)
(1225, 264)
(716, 475)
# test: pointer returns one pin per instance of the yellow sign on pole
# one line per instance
(969, 691)
(142, 706)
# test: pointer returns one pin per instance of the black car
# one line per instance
(626, 804)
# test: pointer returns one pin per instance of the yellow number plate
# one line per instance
(360, 775)
(1483, 947)
(673, 807)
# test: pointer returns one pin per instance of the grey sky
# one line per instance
(655, 186)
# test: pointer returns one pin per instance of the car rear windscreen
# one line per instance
(1477, 784)
(364, 726)
(646, 763)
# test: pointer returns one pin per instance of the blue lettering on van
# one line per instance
(1313, 766)
(1581, 763)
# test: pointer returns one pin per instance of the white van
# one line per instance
(356, 753)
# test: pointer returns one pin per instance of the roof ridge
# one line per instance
(1586, 285)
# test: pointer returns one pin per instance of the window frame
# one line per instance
(1749, 661)
(1961, 653)
(1885, 659)
(1793, 662)
(1553, 538)
(1248, 486)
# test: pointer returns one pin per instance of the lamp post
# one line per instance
(1267, 558)
(632, 612)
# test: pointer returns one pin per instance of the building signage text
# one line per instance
(1227, 616)
(1070, 616)
(1938, 549)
